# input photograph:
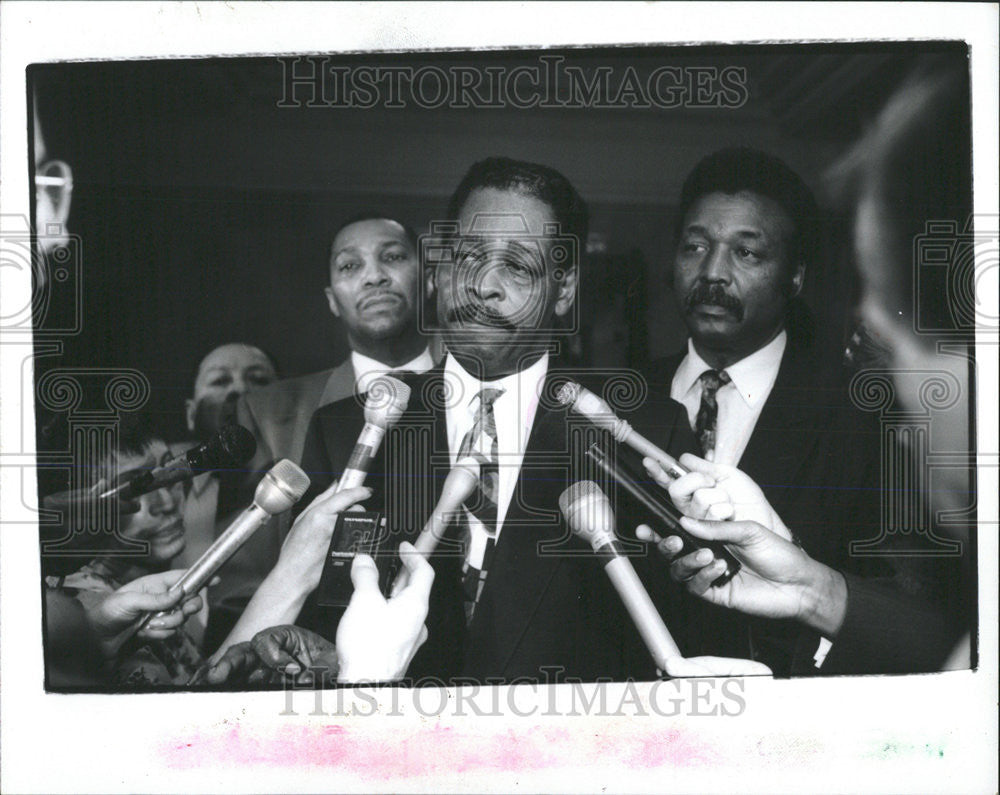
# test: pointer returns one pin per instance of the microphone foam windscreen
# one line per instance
(281, 488)
(386, 401)
(237, 444)
(568, 393)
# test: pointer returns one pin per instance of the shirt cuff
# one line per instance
(821, 651)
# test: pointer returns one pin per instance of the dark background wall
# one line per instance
(204, 209)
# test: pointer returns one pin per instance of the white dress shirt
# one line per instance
(740, 401)
(366, 369)
(514, 412)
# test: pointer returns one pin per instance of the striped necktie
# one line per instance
(481, 509)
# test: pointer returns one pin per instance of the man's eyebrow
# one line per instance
(748, 234)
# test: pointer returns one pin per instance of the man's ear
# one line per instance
(190, 407)
(331, 300)
(798, 279)
(430, 283)
(566, 290)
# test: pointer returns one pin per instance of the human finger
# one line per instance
(687, 566)
(420, 573)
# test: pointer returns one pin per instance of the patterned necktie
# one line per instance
(708, 411)
(481, 519)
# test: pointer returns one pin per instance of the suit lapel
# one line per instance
(786, 430)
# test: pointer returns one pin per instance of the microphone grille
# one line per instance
(386, 400)
(568, 393)
(588, 513)
(282, 487)
(582, 489)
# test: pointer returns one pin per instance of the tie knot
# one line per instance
(487, 397)
(711, 380)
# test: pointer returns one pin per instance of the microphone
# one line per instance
(231, 446)
(589, 514)
(662, 510)
(586, 403)
(282, 486)
(385, 403)
(461, 482)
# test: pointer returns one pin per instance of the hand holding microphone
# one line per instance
(378, 637)
(777, 579)
(279, 490)
(717, 492)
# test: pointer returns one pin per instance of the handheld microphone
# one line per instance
(460, 484)
(662, 511)
(231, 446)
(589, 514)
(282, 486)
(385, 403)
(589, 405)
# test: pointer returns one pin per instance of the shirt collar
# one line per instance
(752, 376)
(366, 369)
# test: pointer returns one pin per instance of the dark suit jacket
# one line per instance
(278, 416)
(547, 610)
(817, 459)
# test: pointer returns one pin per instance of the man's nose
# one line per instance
(715, 265)
(485, 280)
(374, 273)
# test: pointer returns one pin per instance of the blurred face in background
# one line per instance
(374, 282)
(224, 375)
(159, 518)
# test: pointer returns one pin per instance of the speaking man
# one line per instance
(514, 594)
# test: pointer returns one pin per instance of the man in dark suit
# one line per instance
(762, 396)
(374, 289)
(515, 595)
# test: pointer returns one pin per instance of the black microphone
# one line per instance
(231, 446)
(662, 511)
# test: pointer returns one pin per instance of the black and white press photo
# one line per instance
(643, 378)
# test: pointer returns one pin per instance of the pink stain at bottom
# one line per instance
(389, 754)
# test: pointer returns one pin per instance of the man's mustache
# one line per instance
(477, 313)
(713, 295)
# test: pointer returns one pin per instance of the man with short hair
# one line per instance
(760, 394)
(515, 594)
(374, 289)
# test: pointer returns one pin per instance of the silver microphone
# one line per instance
(282, 486)
(461, 482)
(385, 403)
(589, 514)
(589, 405)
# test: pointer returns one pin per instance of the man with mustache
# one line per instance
(515, 596)
(374, 289)
(760, 393)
